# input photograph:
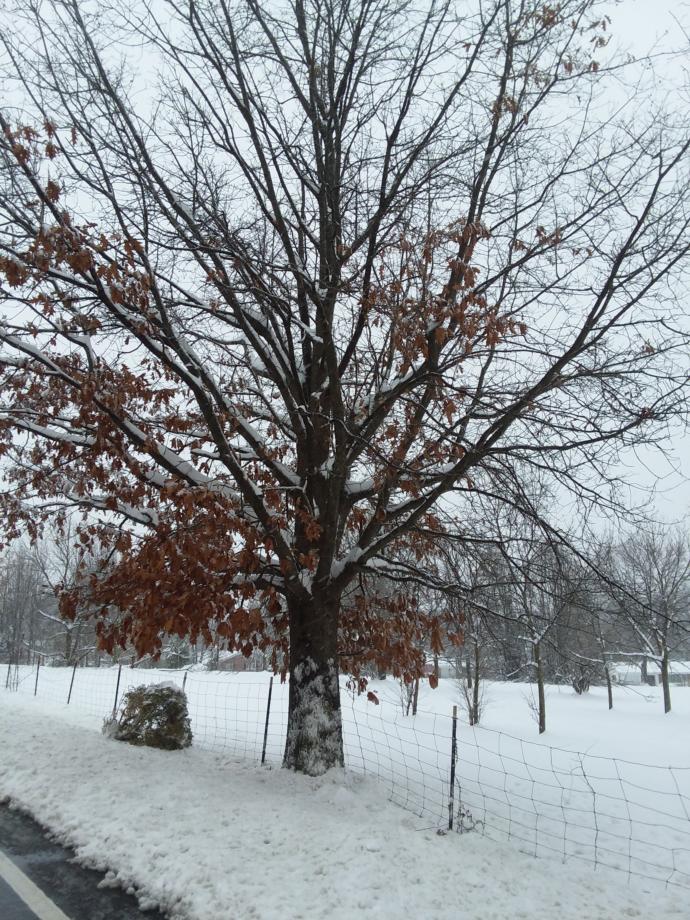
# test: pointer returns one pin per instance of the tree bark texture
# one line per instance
(540, 688)
(609, 685)
(314, 741)
(475, 689)
(665, 681)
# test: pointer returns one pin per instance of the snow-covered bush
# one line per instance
(154, 715)
(581, 679)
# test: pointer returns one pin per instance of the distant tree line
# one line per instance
(520, 608)
(538, 611)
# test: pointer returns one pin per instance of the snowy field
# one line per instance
(214, 837)
(606, 789)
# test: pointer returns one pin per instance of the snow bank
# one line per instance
(211, 838)
(552, 796)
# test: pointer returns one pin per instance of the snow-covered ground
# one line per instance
(211, 836)
(600, 788)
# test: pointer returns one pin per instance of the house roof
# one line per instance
(625, 668)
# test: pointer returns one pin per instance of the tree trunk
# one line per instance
(468, 671)
(540, 687)
(415, 696)
(665, 682)
(475, 690)
(609, 685)
(314, 735)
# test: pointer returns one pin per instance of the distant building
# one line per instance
(444, 667)
(646, 671)
(236, 661)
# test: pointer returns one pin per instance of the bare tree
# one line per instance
(21, 595)
(650, 586)
(322, 265)
(474, 604)
(63, 565)
(539, 609)
(472, 688)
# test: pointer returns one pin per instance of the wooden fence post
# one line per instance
(268, 713)
(453, 758)
(71, 683)
(117, 689)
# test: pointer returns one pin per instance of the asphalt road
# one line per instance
(52, 887)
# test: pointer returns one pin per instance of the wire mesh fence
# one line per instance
(604, 811)
(607, 812)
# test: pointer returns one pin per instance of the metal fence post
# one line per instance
(117, 689)
(71, 683)
(268, 713)
(453, 758)
(38, 668)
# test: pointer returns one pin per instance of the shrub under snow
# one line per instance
(155, 716)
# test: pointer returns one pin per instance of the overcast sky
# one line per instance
(643, 25)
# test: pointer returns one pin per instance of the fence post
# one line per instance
(453, 758)
(184, 680)
(71, 683)
(7, 680)
(117, 689)
(38, 668)
(268, 713)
